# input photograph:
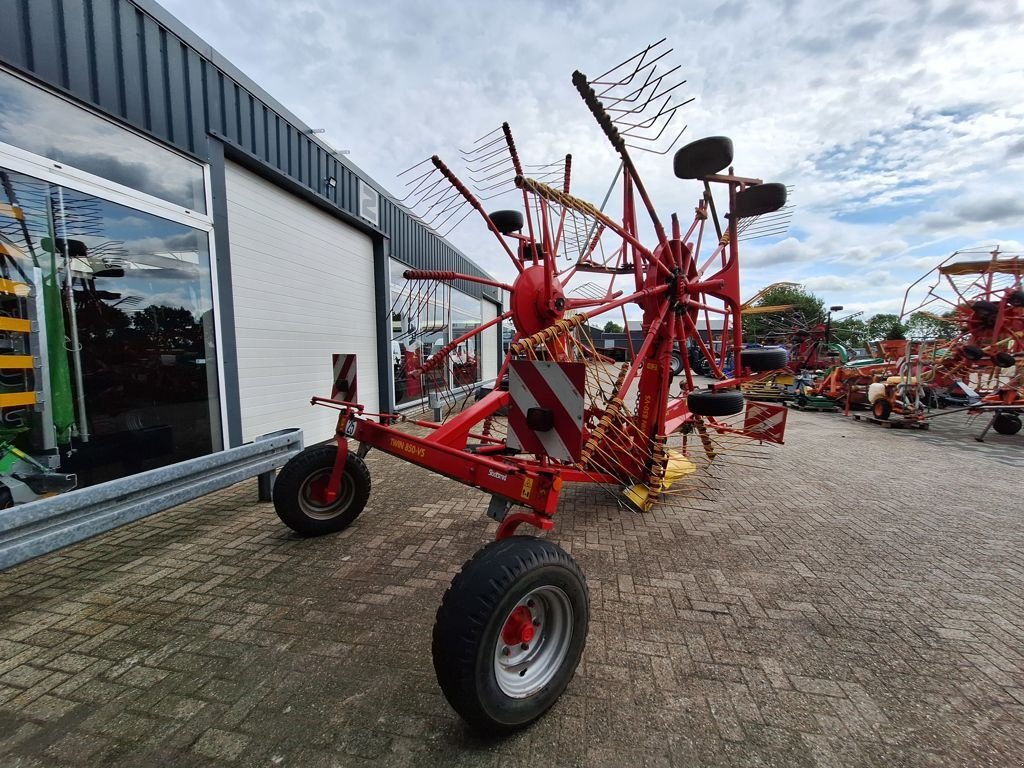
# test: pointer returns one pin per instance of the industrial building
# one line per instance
(184, 262)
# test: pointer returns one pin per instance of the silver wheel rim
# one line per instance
(314, 509)
(523, 669)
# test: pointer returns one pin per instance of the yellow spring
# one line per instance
(599, 431)
(559, 328)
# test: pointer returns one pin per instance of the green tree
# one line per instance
(852, 332)
(612, 327)
(886, 326)
(807, 311)
(926, 326)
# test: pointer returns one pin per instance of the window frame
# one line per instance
(49, 171)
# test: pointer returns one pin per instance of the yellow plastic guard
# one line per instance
(16, 289)
(15, 324)
(677, 467)
(11, 399)
(16, 361)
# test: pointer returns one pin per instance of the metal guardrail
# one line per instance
(44, 526)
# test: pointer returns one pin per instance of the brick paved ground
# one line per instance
(859, 603)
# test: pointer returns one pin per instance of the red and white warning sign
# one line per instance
(344, 387)
(545, 414)
(765, 421)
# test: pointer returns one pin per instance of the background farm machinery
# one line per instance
(511, 629)
(975, 367)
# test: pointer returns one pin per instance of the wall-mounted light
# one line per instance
(331, 182)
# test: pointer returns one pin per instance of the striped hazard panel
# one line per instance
(765, 421)
(545, 415)
(344, 387)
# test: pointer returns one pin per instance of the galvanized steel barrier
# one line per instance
(44, 526)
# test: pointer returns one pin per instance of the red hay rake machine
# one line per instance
(511, 629)
(982, 300)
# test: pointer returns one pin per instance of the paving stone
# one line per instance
(858, 602)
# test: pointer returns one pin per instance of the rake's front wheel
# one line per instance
(510, 632)
(301, 491)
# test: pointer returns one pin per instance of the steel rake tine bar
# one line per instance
(411, 167)
(661, 151)
(639, 55)
(476, 151)
(489, 168)
(640, 67)
(477, 141)
(656, 83)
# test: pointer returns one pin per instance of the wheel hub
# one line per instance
(519, 628)
(533, 642)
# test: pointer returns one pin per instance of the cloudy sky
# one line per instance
(900, 124)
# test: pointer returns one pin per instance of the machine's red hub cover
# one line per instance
(529, 303)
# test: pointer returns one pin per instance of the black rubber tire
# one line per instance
(1016, 299)
(702, 157)
(469, 623)
(881, 409)
(972, 352)
(1007, 423)
(6, 499)
(507, 222)
(1003, 359)
(676, 363)
(760, 360)
(705, 402)
(292, 502)
(759, 200)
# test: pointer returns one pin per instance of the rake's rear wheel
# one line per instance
(300, 491)
(510, 632)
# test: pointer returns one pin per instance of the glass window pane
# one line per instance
(426, 316)
(419, 328)
(124, 302)
(44, 124)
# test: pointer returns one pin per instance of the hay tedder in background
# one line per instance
(982, 302)
(511, 628)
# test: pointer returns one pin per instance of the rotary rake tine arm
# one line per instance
(471, 199)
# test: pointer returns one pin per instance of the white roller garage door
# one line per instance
(303, 291)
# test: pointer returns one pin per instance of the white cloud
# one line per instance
(898, 123)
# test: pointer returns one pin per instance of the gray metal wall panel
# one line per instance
(105, 55)
(12, 44)
(76, 40)
(132, 64)
(42, 37)
(132, 60)
(177, 90)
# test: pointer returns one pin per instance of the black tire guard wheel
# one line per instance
(510, 632)
(507, 222)
(972, 352)
(299, 487)
(760, 360)
(708, 403)
(1007, 424)
(702, 157)
(759, 200)
(676, 363)
(881, 409)
(1003, 359)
